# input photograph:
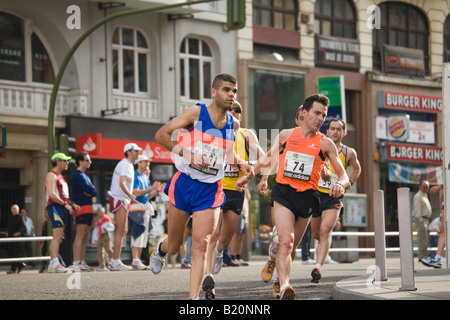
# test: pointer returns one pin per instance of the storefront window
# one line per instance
(130, 61)
(195, 69)
(274, 98)
(13, 47)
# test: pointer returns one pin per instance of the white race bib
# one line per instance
(213, 154)
(327, 184)
(298, 165)
(231, 171)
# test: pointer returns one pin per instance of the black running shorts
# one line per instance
(301, 204)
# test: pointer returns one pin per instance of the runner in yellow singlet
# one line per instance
(325, 220)
(246, 143)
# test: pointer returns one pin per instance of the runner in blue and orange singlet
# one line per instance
(204, 142)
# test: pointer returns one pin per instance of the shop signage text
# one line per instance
(410, 102)
(405, 61)
(337, 52)
(415, 153)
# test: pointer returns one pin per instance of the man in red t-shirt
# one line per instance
(58, 207)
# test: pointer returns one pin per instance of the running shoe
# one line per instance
(267, 271)
(276, 289)
(432, 262)
(118, 266)
(287, 293)
(81, 266)
(57, 268)
(208, 285)
(308, 262)
(210, 294)
(156, 260)
(316, 275)
(219, 261)
(242, 263)
(138, 265)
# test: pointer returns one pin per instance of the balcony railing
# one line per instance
(138, 108)
(32, 99)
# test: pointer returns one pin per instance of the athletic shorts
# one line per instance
(57, 214)
(328, 202)
(115, 204)
(301, 204)
(234, 202)
(191, 195)
(85, 218)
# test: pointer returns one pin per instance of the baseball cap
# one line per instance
(60, 156)
(131, 146)
(141, 158)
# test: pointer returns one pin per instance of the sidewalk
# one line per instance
(430, 284)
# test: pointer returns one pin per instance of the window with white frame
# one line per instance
(130, 56)
(23, 56)
(195, 69)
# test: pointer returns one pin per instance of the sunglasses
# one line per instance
(237, 110)
(87, 160)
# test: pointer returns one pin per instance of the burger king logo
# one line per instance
(398, 127)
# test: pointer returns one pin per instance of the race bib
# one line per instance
(231, 171)
(213, 154)
(298, 165)
(327, 184)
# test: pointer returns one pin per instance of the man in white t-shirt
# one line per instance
(120, 198)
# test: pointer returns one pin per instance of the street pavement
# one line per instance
(347, 281)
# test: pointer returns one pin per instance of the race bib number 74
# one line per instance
(298, 165)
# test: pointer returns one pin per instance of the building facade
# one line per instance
(387, 57)
(379, 61)
(128, 78)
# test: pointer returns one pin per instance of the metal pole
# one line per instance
(446, 147)
(380, 237)
(406, 245)
(25, 239)
(51, 109)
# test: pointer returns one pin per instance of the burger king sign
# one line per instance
(398, 127)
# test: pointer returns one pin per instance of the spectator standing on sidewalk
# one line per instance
(422, 213)
(16, 228)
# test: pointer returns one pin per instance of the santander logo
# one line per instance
(148, 152)
(89, 145)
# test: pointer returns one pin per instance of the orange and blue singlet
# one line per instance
(192, 189)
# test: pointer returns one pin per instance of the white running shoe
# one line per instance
(138, 265)
(219, 260)
(82, 266)
(156, 260)
(118, 266)
(57, 268)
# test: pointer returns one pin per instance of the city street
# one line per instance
(232, 283)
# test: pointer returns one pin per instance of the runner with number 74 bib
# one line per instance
(301, 153)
